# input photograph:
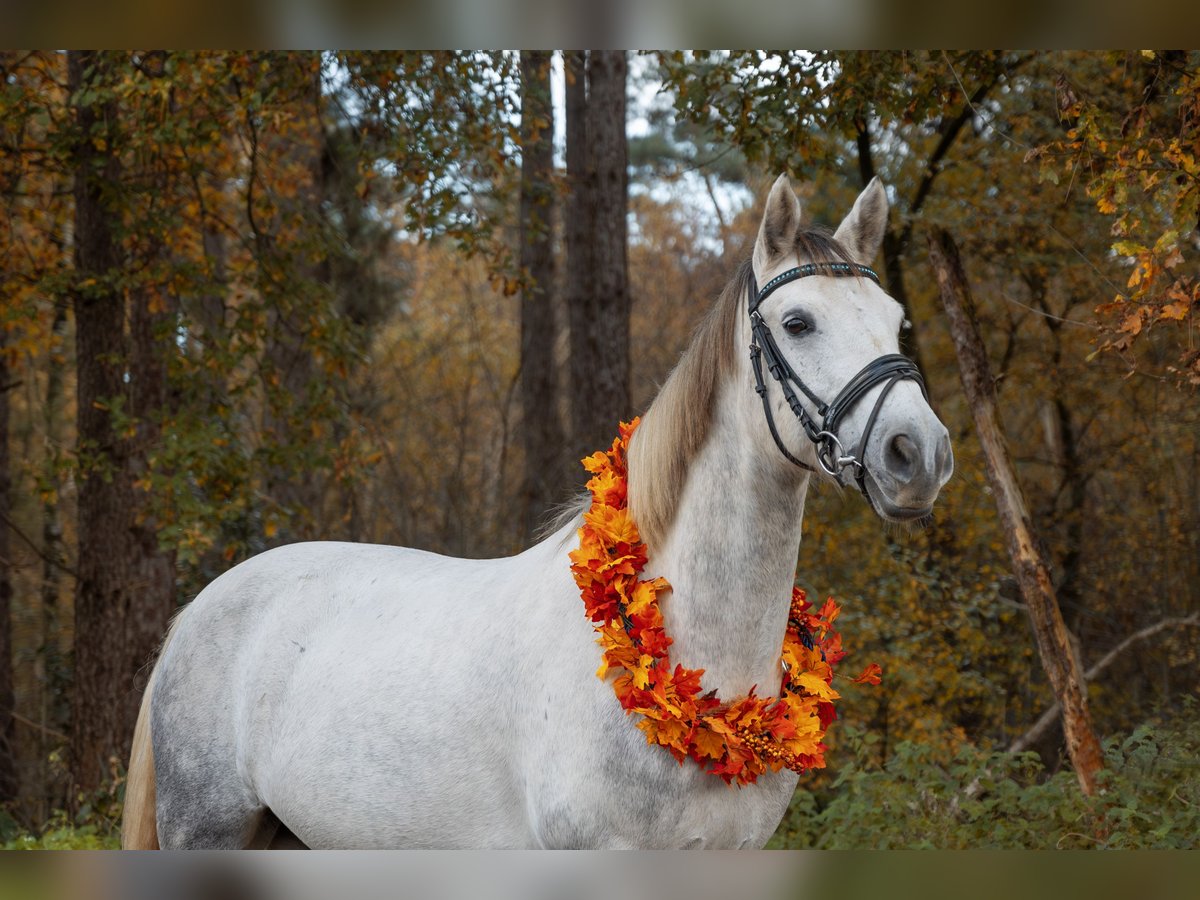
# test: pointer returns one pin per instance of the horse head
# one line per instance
(838, 397)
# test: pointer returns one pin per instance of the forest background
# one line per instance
(255, 298)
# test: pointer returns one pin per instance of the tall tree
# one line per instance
(808, 112)
(598, 284)
(541, 429)
(125, 590)
(9, 180)
(1029, 562)
(293, 81)
(8, 762)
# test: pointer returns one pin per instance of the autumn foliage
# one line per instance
(736, 740)
(326, 245)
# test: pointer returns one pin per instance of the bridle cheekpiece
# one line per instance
(890, 368)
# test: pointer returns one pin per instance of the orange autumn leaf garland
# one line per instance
(736, 741)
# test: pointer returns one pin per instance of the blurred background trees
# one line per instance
(252, 298)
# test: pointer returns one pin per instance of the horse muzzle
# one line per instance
(907, 470)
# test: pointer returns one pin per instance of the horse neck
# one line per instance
(730, 557)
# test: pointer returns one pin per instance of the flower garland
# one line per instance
(736, 741)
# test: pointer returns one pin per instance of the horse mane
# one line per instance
(677, 423)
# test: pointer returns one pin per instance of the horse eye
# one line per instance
(795, 326)
(905, 326)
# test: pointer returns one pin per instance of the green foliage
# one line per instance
(96, 824)
(66, 836)
(969, 798)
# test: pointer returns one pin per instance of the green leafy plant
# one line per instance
(926, 797)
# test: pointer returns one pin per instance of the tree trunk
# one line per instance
(894, 246)
(541, 429)
(50, 669)
(598, 283)
(8, 747)
(10, 178)
(1062, 439)
(1029, 564)
(578, 230)
(125, 590)
(297, 489)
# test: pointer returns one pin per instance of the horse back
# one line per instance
(330, 682)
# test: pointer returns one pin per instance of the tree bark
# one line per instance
(125, 589)
(578, 228)
(10, 178)
(1029, 564)
(1062, 439)
(8, 747)
(296, 76)
(541, 430)
(598, 306)
(50, 668)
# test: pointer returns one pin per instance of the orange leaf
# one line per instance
(829, 611)
(871, 675)
(707, 743)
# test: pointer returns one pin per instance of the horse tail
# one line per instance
(139, 823)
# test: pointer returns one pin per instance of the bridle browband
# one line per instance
(891, 369)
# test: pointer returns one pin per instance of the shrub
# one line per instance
(974, 798)
(96, 824)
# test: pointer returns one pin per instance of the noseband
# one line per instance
(890, 369)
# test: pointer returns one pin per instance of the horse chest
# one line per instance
(647, 810)
(596, 783)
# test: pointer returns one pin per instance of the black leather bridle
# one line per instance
(890, 368)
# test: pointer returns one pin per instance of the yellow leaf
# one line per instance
(1175, 311)
(815, 686)
(644, 594)
(641, 675)
(614, 526)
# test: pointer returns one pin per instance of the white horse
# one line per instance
(372, 696)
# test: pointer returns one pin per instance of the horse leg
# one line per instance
(198, 813)
(202, 802)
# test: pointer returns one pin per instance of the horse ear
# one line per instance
(861, 233)
(780, 222)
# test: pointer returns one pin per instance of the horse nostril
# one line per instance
(944, 457)
(902, 458)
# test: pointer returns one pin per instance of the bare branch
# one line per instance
(35, 548)
(1050, 716)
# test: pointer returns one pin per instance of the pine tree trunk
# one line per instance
(1029, 564)
(541, 429)
(598, 286)
(125, 590)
